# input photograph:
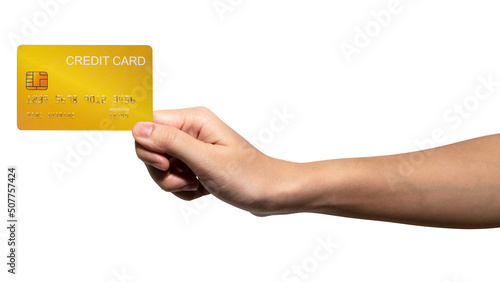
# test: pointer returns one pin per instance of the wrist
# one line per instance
(300, 187)
(333, 186)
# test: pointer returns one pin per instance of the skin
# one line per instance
(192, 153)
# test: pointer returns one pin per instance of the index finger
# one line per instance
(199, 122)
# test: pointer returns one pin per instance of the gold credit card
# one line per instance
(84, 87)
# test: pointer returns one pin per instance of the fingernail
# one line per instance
(143, 129)
(158, 166)
(190, 187)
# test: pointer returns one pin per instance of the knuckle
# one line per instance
(203, 111)
(202, 116)
(167, 137)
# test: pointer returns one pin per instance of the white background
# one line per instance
(106, 220)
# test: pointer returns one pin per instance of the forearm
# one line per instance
(451, 186)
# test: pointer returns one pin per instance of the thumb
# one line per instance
(169, 140)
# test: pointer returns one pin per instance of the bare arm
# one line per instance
(457, 185)
(192, 153)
